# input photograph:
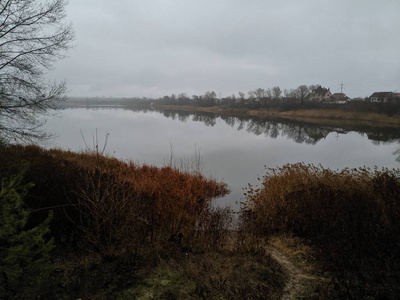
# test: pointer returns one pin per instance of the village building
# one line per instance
(382, 97)
(319, 94)
(339, 98)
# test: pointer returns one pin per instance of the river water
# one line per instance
(234, 150)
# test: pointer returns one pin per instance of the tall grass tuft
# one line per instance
(129, 231)
(352, 216)
(117, 206)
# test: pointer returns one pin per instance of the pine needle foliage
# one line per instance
(24, 250)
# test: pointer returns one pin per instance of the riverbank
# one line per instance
(102, 228)
(97, 228)
(317, 116)
(348, 218)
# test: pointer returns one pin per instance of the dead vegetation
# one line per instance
(350, 218)
(116, 205)
(123, 230)
(351, 116)
(317, 116)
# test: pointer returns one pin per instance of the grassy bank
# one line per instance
(321, 116)
(83, 225)
(118, 230)
(349, 218)
(318, 116)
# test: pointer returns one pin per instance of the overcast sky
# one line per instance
(158, 47)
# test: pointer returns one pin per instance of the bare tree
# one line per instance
(261, 96)
(290, 93)
(242, 98)
(276, 92)
(302, 91)
(33, 35)
(209, 98)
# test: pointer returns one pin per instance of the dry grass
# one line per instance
(346, 115)
(351, 219)
(310, 201)
(212, 275)
(320, 114)
(119, 206)
(213, 268)
(125, 214)
(127, 231)
(296, 250)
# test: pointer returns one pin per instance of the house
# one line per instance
(319, 94)
(339, 98)
(382, 97)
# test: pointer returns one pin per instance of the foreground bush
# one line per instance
(127, 231)
(320, 204)
(117, 206)
(351, 216)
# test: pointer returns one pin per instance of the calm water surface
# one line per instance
(233, 150)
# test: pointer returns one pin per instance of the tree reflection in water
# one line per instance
(298, 131)
(397, 153)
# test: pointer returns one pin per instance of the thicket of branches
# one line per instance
(254, 98)
(281, 100)
(33, 35)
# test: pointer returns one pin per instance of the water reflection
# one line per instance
(235, 149)
(397, 153)
(298, 131)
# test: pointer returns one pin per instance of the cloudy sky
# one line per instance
(158, 47)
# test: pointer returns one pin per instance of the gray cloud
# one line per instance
(157, 47)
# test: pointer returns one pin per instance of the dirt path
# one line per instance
(301, 284)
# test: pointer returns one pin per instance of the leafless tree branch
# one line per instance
(33, 35)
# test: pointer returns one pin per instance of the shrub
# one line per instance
(214, 229)
(24, 250)
(351, 216)
(118, 206)
(351, 205)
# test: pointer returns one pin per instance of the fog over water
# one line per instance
(233, 150)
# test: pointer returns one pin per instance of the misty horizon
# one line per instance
(157, 48)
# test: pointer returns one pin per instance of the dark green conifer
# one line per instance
(24, 250)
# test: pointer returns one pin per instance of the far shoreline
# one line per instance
(319, 116)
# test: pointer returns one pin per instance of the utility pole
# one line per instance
(341, 87)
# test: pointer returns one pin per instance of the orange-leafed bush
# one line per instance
(118, 205)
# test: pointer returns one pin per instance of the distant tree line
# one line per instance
(276, 98)
(253, 99)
